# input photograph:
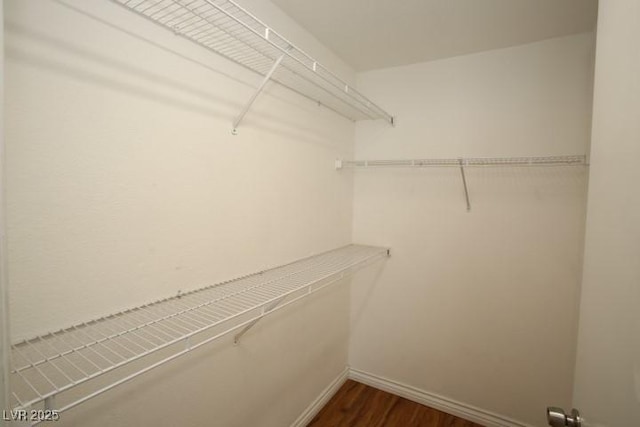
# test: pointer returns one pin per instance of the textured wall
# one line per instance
(125, 185)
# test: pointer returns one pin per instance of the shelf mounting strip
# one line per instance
(47, 366)
(230, 30)
(462, 163)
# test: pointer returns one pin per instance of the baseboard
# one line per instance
(450, 406)
(315, 407)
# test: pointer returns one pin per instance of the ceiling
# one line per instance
(370, 34)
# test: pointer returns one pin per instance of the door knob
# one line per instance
(558, 418)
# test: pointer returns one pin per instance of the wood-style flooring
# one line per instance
(358, 405)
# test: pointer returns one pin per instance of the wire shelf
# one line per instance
(461, 163)
(47, 366)
(468, 162)
(227, 29)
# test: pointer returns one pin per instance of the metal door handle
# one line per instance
(558, 418)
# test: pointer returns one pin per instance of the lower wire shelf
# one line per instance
(87, 359)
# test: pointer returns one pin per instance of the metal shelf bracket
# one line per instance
(260, 88)
(464, 184)
(265, 311)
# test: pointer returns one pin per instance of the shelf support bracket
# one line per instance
(464, 184)
(265, 311)
(244, 111)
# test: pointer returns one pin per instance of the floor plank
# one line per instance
(358, 405)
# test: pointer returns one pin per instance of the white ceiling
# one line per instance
(370, 34)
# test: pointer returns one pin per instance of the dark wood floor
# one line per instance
(358, 405)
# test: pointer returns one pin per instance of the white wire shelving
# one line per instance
(230, 30)
(48, 370)
(464, 162)
(572, 160)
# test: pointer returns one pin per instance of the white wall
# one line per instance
(607, 388)
(124, 185)
(478, 307)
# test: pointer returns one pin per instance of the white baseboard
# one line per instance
(444, 404)
(315, 407)
(441, 403)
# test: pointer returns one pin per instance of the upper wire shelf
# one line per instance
(228, 29)
(47, 366)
